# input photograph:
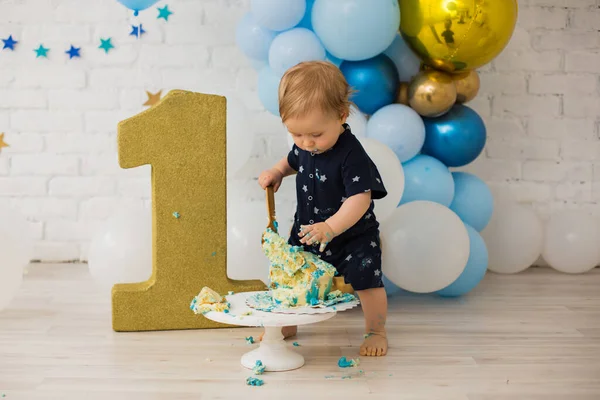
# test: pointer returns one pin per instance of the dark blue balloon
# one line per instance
(456, 138)
(375, 81)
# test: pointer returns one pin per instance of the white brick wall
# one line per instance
(540, 99)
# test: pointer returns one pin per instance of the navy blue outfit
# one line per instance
(323, 182)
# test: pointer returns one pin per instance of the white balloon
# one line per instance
(425, 247)
(121, 252)
(572, 242)
(246, 222)
(358, 122)
(16, 251)
(392, 174)
(514, 238)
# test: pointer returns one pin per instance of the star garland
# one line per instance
(10, 43)
(73, 52)
(41, 51)
(137, 31)
(106, 45)
(164, 13)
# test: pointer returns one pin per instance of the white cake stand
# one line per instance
(273, 351)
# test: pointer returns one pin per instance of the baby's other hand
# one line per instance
(270, 177)
(320, 233)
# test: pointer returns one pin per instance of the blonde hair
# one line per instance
(313, 85)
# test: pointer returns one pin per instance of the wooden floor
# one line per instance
(535, 335)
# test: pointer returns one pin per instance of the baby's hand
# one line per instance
(320, 233)
(270, 177)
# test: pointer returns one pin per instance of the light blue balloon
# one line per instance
(473, 201)
(426, 178)
(292, 47)
(356, 29)
(474, 270)
(406, 61)
(400, 127)
(268, 90)
(252, 39)
(306, 21)
(390, 288)
(278, 15)
(138, 5)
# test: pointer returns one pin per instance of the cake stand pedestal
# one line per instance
(274, 353)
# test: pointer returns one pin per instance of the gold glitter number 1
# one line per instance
(183, 138)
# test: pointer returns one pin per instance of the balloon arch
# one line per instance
(413, 66)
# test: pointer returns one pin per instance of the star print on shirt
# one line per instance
(316, 210)
(323, 178)
(296, 152)
(378, 180)
(305, 188)
(344, 199)
(356, 179)
(373, 244)
(377, 272)
(301, 169)
(368, 216)
(349, 257)
(328, 253)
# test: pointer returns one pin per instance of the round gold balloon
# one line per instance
(402, 97)
(467, 86)
(457, 35)
(431, 93)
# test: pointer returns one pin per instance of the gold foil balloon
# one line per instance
(467, 86)
(431, 93)
(402, 97)
(457, 35)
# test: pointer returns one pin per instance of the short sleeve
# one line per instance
(293, 158)
(360, 175)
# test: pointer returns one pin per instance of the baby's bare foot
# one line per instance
(375, 345)
(286, 331)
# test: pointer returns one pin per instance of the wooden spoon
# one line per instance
(271, 210)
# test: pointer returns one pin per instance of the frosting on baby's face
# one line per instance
(315, 132)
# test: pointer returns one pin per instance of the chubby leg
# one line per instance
(374, 305)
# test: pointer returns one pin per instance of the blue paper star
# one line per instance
(41, 51)
(106, 45)
(164, 13)
(73, 52)
(9, 43)
(137, 31)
